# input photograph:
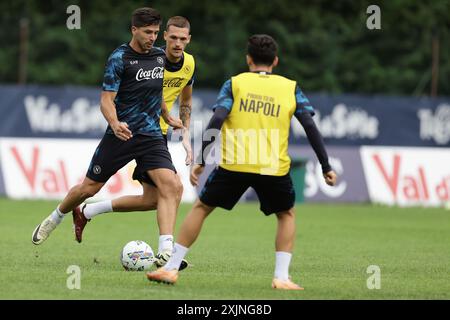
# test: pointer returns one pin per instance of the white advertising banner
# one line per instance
(407, 176)
(48, 168)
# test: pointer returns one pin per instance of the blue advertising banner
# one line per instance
(52, 112)
(344, 120)
(381, 120)
(346, 162)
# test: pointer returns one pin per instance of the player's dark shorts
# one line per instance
(112, 154)
(165, 138)
(142, 175)
(224, 188)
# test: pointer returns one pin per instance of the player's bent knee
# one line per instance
(199, 206)
(90, 190)
(88, 193)
(170, 187)
(285, 215)
(149, 207)
(148, 203)
(180, 189)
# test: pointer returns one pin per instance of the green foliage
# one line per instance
(324, 44)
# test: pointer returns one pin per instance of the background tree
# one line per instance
(324, 44)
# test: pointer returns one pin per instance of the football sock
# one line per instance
(57, 216)
(178, 253)
(165, 243)
(282, 261)
(93, 209)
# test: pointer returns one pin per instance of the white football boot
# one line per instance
(43, 230)
(162, 258)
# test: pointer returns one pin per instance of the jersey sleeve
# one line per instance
(303, 104)
(113, 72)
(225, 98)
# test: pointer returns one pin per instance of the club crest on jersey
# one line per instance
(160, 60)
(155, 73)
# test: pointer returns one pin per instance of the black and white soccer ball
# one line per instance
(137, 256)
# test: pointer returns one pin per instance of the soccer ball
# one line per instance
(137, 256)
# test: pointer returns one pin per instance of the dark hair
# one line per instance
(178, 21)
(262, 48)
(143, 17)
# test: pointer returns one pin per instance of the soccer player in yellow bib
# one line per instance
(178, 80)
(253, 112)
(179, 76)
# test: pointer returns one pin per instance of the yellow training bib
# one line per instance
(174, 82)
(255, 134)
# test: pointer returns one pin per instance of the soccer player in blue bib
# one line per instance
(132, 103)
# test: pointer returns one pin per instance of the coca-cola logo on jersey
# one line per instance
(173, 83)
(155, 73)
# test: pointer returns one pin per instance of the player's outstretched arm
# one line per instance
(108, 109)
(316, 142)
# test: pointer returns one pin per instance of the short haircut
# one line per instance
(262, 48)
(143, 17)
(178, 21)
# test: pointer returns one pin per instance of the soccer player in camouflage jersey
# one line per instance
(132, 103)
(178, 82)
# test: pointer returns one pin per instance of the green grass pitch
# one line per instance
(233, 258)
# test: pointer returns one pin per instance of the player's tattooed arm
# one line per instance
(185, 116)
(171, 121)
(186, 106)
